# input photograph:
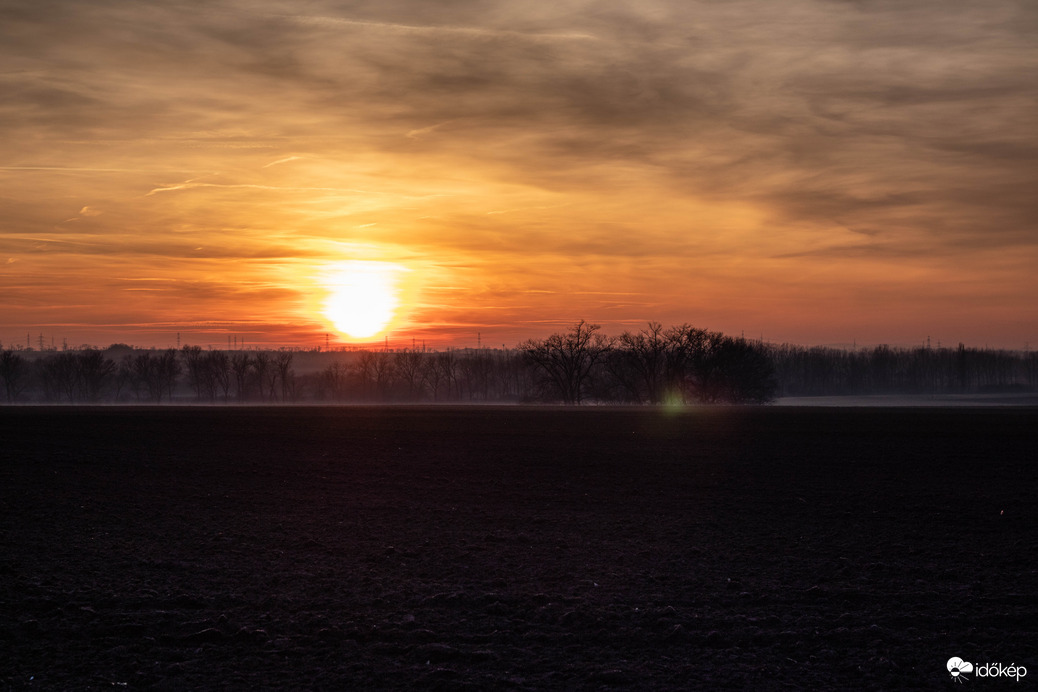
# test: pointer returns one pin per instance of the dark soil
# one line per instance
(514, 548)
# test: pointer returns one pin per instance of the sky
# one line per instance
(808, 171)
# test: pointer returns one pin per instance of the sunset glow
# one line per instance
(363, 298)
(810, 171)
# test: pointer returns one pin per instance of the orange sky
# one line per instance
(815, 172)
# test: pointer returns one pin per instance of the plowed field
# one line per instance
(515, 548)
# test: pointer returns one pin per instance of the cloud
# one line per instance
(191, 185)
(287, 159)
(421, 132)
(614, 135)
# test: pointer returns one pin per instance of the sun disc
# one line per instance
(362, 297)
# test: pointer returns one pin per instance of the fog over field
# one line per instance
(672, 366)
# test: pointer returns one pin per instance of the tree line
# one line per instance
(801, 371)
(655, 365)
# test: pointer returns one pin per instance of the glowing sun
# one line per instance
(362, 297)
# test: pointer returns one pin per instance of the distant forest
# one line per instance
(677, 365)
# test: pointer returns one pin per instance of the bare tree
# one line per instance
(375, 370)
(94, 373)
(272, 381)
(477, 369)
(240, 365)
(567, 360)
(366, 373)
(283, 365)
(408, 364)
(196, 374)
(209, 372)
(260, 367)
(126, 379)
(149, 374)
(447, 363)
(382, 368)
(735, 371)
(76, 376)
(60, 376)
(432, 375)
(166, 375)
(514, 376)
(14, 371)
(687, 348)
(639, 363)
(219, 365)
(141, 374)
(334, 378)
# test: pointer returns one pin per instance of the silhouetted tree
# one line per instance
(566, 361)
(260, 368)
(651, 366)
(272, 381)
(166, 375)
(819, 371)
(432, 375)
(408, 364)
(240, 366)
(514, 376)
(283, 365)
(447, 362)
(477, 370)
(14, 372)
(219, 365)
(59, 374)
(94, 374)
(639, 363)
(141, 372)
(735, 371)
(196, 375)
(75, 376)
(125, 378)
(334, 380)
(685, 353)
(382, 371)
